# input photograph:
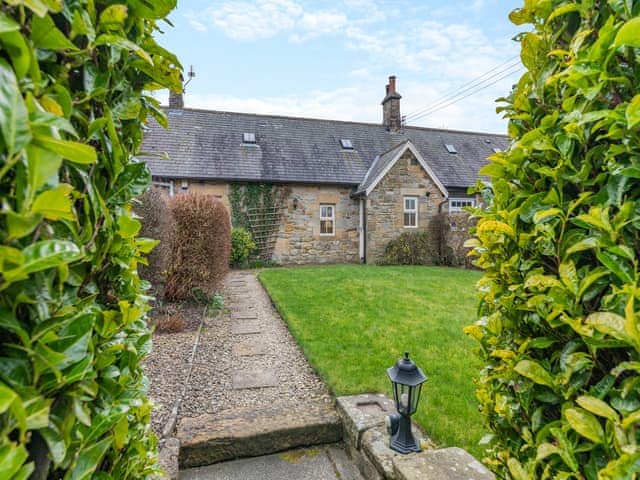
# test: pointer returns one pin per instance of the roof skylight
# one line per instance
(248, 137)
(496, 150)
(346, 144)
(450, 148)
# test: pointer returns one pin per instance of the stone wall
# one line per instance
(300, 242)
(385, 205)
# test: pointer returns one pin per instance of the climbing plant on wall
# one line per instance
(560, 242)
(72, 307)
(257, 207)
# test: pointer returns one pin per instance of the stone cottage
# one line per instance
(350, 187)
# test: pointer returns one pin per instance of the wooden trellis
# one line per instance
(264, 223)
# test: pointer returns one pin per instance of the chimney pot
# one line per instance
(175, 100)
(391, 118)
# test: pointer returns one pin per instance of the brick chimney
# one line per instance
(175, 100)
(391, 107)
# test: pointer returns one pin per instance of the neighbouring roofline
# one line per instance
(348, 122)
(408, 145)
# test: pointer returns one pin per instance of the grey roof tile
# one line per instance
(208, 145)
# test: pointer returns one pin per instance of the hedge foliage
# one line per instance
(201, 246)
(560, 244)
(242, 246)
(410, 248)
(72, 308)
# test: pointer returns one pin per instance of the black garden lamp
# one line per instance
(406, 379)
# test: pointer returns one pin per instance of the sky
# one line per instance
(332, 59)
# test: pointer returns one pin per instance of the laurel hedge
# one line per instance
(560, 244)
(72, 307)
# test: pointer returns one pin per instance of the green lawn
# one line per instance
(354, 321)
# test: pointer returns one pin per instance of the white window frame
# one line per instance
(326, 218)
(406, 210)
(462, 202)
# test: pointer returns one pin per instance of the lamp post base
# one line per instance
(402, 440)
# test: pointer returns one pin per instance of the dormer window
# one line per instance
(450, 148)
(346, 144)
(248, 137)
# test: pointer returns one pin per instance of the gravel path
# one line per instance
(246, 357)
(211, 389)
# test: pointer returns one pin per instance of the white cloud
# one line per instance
(252, 20)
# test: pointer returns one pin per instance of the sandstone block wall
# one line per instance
(300, 242)
(385, 206)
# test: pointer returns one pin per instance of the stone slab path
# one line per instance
(252, 391)
(317, 463)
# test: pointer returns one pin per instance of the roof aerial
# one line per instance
(248, 137)
(450, 148)
(346, 144)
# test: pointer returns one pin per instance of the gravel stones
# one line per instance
(247, 336)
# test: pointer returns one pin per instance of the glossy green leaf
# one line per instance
(12, 457)
(633, 112)
(14, 118)
(43, 255)
(7, 397)
(55, 204)
(585, 424)
(73, 151)
(534, 371)
(42, 168)
(113, 17)
(116, 40)
(46, 35)
(608, 323)
(629, 34)
(128, 226)
(597, 406)
(20, 225)
(87, 460)
(617, 265)
(156, 9)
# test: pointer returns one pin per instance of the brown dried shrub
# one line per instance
(169, 323)
(201, 245)
(153, 208)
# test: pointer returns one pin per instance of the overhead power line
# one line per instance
(476, 85)
(455, 99)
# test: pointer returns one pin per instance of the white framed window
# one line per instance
(410, 212)
(327, 219)
(456, 204)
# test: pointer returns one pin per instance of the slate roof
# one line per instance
(204, 144)
(378, 166)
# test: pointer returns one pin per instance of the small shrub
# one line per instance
(173, 323)
(242, 246)
(410, 248)
(153, 208)
(201, 246)
(454, 229)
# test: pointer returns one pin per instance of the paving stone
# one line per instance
(362, 412)
(246, 327)
(250, 348)
(246, 316)
(443, 464)
(249, 432)
(259, 378)
(168, 457)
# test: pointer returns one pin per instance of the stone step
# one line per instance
(249, 432)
